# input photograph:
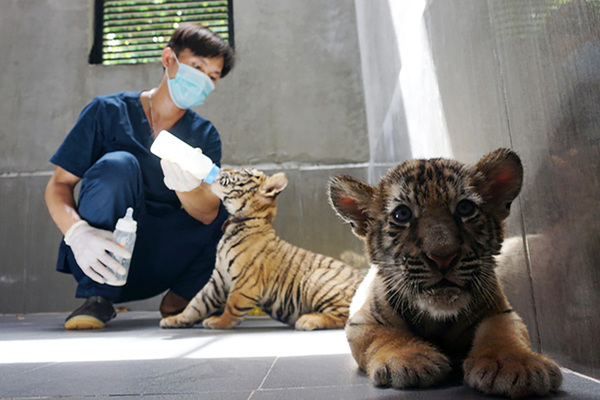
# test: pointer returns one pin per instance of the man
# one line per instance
(178, 217)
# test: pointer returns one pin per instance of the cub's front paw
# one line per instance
(402, 369)
(513, 375)
(218, 322)
(175, 321)
(311, 322)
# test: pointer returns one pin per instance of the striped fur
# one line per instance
(256, 268)
(432, 300)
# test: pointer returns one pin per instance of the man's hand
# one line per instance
(90, 246)
(178, 179)
(195, 195)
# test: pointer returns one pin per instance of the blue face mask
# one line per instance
(189, 87)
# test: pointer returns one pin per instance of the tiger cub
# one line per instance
(432, 298)
(254, 267)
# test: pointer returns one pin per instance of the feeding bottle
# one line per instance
(124, 235)
(171, 148)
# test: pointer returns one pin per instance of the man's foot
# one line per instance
(172, 304)
(93, 314)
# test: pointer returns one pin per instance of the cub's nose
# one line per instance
(442, 262)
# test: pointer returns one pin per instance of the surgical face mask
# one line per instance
(189, 87)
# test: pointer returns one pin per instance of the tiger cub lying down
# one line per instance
(254, 267)
(432, 298)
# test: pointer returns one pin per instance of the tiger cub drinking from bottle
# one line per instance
(254, 267)
(432, 298)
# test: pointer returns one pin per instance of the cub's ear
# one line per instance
(502, 179)
(273, 185)
(351, 198)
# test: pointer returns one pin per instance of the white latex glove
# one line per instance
(90, 246)
(177, 178)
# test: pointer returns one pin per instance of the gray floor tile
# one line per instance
(179, 396)
(318, 371)
(364, 392)
(259, 360)
(148, 377)
(337, 377)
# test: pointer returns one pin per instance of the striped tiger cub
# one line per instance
(432, 301)
(254, 267)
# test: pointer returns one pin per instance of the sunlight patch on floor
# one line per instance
(166, 344)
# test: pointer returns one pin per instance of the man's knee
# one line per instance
(111, 185)
(114, 170)
(116, 165)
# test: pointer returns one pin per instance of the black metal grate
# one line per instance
(136, 31)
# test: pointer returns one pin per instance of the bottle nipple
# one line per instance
(127, 223)
(129, 213)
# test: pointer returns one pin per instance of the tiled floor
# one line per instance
(133, 358)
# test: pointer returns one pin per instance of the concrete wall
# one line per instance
(453, 78)
(459, 78)
(294, 102)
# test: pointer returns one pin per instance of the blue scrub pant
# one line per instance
(172, 251)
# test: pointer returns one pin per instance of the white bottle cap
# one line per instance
(127, 223)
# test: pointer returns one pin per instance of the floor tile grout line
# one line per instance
(318, 387)
(579, 374)
(264, 379)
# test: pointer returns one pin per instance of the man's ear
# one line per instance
(350, 198)
(502, 179)
(273, 185)
(167, 58)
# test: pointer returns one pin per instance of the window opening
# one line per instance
(136, 31)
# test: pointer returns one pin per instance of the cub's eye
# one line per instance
(465, 208)
(402, 214)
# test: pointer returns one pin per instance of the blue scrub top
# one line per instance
(118, 122)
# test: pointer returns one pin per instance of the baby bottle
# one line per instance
(124, 235)
(171, 148)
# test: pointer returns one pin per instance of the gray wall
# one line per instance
(453, 78)
(460, 78)
(294, 102)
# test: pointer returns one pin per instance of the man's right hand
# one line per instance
(90, 246)
(178, 179)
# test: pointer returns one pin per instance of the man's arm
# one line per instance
(89, 244)
(60, 198)
(200, 203)
(194, 194)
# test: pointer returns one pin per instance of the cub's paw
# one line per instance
(310, 322)
(218, 322)
(175, 321)
(513, 375)
(405, 369)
